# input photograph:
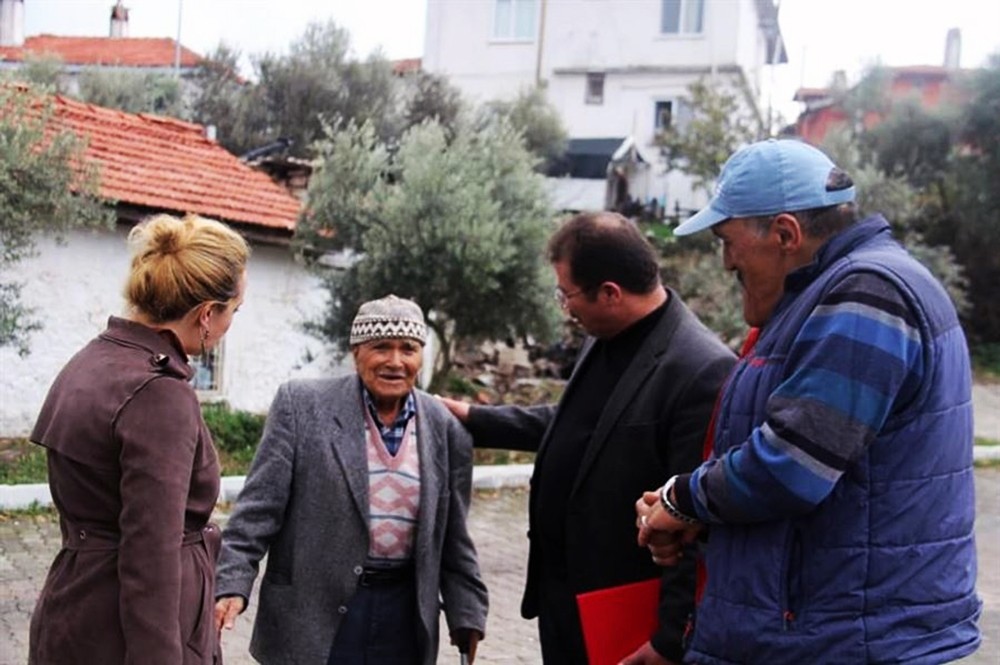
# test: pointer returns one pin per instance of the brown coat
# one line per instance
(135, 478)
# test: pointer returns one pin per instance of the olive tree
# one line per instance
(457, 225)
(45, 187)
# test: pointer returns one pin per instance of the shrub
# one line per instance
(236, 435)
(22, 462)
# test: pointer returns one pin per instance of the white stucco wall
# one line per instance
(76, 286)
(595, 35)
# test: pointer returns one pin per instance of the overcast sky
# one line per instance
(821, 35)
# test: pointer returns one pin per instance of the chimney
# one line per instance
(839, 80)
(953, 49)
(119, 20)
(11, 22)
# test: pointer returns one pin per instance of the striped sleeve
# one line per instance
(857, 358)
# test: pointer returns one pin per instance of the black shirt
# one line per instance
(579, 412)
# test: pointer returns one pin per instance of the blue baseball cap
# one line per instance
(770, 177)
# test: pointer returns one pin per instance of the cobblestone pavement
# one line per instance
(498, 524)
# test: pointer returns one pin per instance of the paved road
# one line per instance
(498, 524)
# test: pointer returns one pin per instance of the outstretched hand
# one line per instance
(458, 409)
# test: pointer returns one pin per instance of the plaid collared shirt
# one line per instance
(392, 435)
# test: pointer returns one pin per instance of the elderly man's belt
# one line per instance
(386, 576)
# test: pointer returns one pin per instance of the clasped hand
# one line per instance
(664, 536)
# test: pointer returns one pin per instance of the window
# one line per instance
(682, 17)
(595, 89)
(663, 115)
(671, 113)
(208, 371)
(515, 19)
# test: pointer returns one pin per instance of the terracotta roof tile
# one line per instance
(168, 164)
(122, 51)
(406, 66)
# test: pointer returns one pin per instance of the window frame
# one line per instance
(657, 127)
(215, 368)
(684, 8)
(680, 113)
(590, 96)
(509, 33)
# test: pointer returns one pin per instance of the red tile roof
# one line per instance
(406, 66)
(121, 51)
(167, 164)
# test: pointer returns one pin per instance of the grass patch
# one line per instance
(983, 441)
(33, 513)
(22, 462)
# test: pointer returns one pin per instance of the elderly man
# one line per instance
(636, 407)
(358, 493)
(839, 499)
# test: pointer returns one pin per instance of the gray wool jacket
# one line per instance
(305, 505)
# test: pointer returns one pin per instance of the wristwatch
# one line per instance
(670, 507)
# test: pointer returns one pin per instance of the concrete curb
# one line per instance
(14, 497)
(484, 477)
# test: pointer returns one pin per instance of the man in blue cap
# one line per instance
(838, 500)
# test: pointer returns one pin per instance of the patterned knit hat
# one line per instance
(388, 318)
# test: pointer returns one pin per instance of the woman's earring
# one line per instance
(204, 336)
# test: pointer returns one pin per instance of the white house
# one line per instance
(153, 164)
(612, 68)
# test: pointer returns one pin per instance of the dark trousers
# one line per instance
(380, 627)
(559, 623)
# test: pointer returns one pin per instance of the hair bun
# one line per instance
(167, 239)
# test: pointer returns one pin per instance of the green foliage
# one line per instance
(233, 431)
(41, 191)
(459, 226)
(43, 71)
(986, 360)
(317, 82)
(535, 118)
(22, 462)
(236, 435)
(912, 143)
(719, 125)
(975, 212)
(132, 92)
(903, 205)
(220, 98)
(456, 385)
(934, 175)
(693, 266)
(433, 98)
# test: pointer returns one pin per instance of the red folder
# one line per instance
(618, 620)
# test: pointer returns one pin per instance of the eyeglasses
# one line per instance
(563, 298)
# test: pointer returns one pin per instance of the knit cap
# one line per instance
(390, 317)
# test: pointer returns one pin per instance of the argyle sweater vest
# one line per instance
(393, 494)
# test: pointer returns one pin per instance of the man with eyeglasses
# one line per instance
(636, 406)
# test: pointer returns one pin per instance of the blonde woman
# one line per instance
(131, 464)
